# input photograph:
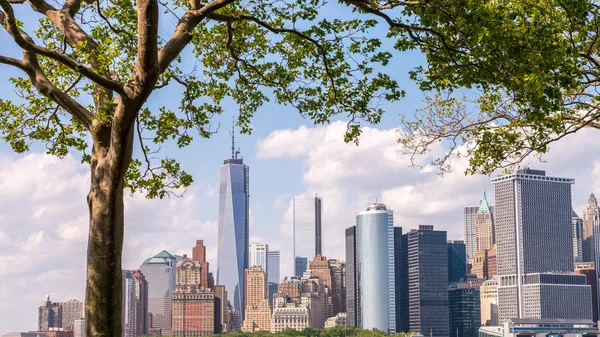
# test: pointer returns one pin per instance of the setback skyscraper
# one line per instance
(375, 268)
(159, 272)
(307, 231)
(535, 249)
(484, 225)
(234, 215)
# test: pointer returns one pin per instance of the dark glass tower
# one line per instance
(457, 261)
(465, 312)
(352, 292)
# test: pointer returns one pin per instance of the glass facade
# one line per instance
(233, 254)
(273, 276)
(159, 271)
(300, 266)
(307, 227)
(258, 256)
(457, 261)
(465, 314)
(375, 267)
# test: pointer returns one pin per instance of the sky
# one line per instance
(43, 210)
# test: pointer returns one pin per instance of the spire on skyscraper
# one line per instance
(484, 206)
(232, 136)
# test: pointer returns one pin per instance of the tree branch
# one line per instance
(183, 32)
(24, 41)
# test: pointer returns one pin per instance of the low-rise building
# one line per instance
(291, 316)
(541, 328)
(335, 321)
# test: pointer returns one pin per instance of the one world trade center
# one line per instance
(232, 257)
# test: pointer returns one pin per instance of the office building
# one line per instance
(375, 268)
(338, 272)
(457, 261)
(199, 255)
(71, 311)
(590, 220)
(159, 272)
(352, 290)
(401, 280)
(134, 304)
(541, 328)
(193, 305)
(234, 220)
(79, 328)
(484, 225)
(306, 212)
(470, 218)
(320, 267)
(427, 269)
(315, 295)
(335, 321)
(49, 315)
(273, 275)
(259, 253)
(290, 316)
(485, 265)
(464, 310)
(535, 249)
(489, 302)
(258, 311)
(222, 323)
(588, 269)
(577, 237)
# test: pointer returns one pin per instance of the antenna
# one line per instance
(232, 135)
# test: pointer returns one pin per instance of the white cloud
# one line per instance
(348, 177)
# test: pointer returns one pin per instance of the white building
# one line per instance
(79, 328)
(488, 293)
(291, 316)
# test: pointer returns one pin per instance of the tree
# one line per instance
(539, 78)
(89, 68)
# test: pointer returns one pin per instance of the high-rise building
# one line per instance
(484, 225)
(338, 273)
(300, 266)
(457, 261)
(375, 268)
(199, 255)
(259, 253)
(193, 305)
(588, 269)
(273, 275)
(159, 272)
(590, 220)
(134, 304)
(470, 218)
(49, 315)
(315, 297)
(234, 221)
(427, 270)
(489, 302)
(320, 267)
(221, 317)
(71, 310)
(352, 290)
(79, 327)
(535, 249)
(464, 310)
(577, 237)
(401, 280)
(258, 311)
(307, 230)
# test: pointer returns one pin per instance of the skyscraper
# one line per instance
(464, 310)
(128, 304)
(535, 249)
(484, 225)
(338, 273)
(234, 215)
(273, 268)
(588, 269)
(375, 268)
(199, 254)
(307, 230)
(427, 270)
(49, 315)
(457, 261)
(258, 311)
(401, 280)
(352, 290)
(590, 219)
(159, 272)
(193, 305)
(259, 253)
(71, 310)
(577, 237)
(470, 217)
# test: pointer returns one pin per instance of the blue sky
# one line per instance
(43, 224)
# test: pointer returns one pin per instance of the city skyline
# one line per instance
(330, 249)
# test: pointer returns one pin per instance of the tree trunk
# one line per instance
(105, 241)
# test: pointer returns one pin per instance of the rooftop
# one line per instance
(160, 258)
